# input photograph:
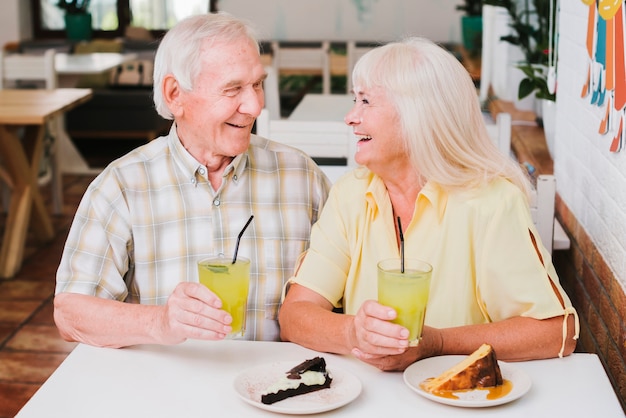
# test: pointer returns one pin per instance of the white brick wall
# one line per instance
(590, 179)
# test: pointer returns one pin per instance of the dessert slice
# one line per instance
(479, 370)
(308, 376)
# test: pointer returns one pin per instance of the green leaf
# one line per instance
(526, 86)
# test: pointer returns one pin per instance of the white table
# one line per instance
(92, 63)
(70, 67)
(195, 379)
(314, 107)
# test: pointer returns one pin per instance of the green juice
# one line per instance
(406, 292)
(230, 282)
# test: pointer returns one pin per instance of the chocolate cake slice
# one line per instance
(306, 377)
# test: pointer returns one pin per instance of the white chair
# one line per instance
(272, 93)
(542, 209)
(500, 132)
(319, 139)
(543, 196)
(37, 71)
(354, 51)
(304, 58)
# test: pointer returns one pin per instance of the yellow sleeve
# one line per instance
(514, 271)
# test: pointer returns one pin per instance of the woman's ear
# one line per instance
(172, 95)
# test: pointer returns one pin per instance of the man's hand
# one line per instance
(193, 311)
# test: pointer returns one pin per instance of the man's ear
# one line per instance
(172, 95)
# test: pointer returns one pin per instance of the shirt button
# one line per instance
(201, 170)
(216, 202)
(235, 177)
(193, 181)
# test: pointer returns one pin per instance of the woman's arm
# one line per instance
(513, 339)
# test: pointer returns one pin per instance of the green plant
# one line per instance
(530, 21)
(536, 81)
(74, 7)
(471, 7)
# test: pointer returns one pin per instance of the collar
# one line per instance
(377, 197)
(192, 168)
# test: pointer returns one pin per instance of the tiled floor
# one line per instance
(30, 346)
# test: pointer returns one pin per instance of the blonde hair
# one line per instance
(179, 51)
(443, 128)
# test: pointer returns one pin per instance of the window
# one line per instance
(111, 17)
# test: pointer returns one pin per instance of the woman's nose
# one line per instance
(352, 117)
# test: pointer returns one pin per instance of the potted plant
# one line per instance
(472, 25)
(532, 29)
(77, 19)
(533, 24)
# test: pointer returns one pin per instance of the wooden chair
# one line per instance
(303, 58)
(325, 141)
(37, 71)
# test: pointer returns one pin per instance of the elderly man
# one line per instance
(128, 274)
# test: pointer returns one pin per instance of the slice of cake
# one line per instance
(479, 370)
(308, 376)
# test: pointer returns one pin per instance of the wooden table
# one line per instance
(30, 109)
(196, 379)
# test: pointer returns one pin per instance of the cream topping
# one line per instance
(308, 378)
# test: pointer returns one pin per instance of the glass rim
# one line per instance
(427, 266)
(223, 258)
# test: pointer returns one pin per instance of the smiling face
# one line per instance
(376, 125)
(215, 118)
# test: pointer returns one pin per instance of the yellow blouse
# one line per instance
(485, 266)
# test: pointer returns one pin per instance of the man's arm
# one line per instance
(192, 311)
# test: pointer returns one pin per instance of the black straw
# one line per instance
(401, 246)
(239, 238)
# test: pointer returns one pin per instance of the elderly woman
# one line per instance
(463, 206)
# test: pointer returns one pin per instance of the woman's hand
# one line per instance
(429, 345)
(374, 335)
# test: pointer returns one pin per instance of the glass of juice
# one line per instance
(406, 292)
(230, 283)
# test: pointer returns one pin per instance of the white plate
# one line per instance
(344, 388)
(434, 366)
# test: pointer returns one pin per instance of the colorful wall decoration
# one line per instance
(605, 84)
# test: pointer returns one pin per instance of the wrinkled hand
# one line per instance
(373, 335)
(193, 311)
(429, 345)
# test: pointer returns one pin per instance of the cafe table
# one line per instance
(30, 110)
(67, 65)
(316, 107)
(199, 379)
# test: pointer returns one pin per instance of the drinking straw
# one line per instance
(401, 246)
(239, 238)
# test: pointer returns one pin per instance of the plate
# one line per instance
(344, 388)
(434, 366)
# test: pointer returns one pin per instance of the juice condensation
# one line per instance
(407, 293)
(230, 282)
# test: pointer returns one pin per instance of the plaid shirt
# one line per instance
(147, 219)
